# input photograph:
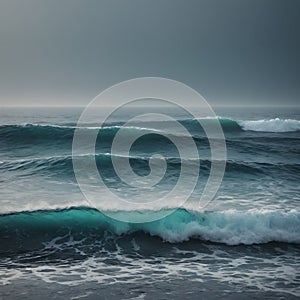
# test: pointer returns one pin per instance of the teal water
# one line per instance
(246, 239)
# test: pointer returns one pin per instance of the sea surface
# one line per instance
(55, 244)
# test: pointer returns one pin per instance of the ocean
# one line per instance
(55, 243)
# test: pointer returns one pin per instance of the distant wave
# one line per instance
(229, 227)
(39, 130)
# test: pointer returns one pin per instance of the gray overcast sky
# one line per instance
(231, 51)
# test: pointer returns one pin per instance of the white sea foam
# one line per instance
(271, 125)
(231, 227)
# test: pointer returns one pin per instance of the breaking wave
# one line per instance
(35, 228)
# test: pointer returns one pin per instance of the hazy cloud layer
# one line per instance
(232, 51)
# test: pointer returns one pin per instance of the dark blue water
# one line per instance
(247, 239)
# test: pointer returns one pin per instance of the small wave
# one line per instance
(61, 165)
(272, 125)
